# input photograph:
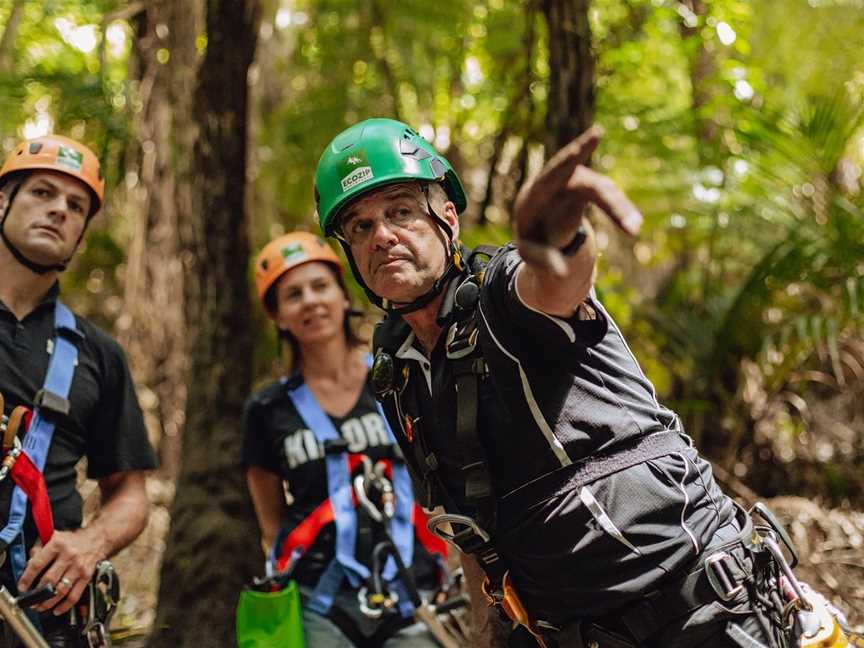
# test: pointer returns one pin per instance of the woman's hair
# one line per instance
(294, 356)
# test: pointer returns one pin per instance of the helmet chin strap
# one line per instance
(38, 268)
(455, 265)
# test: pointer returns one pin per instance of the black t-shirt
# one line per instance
(557, 391)
(104, 424)
(278, 440)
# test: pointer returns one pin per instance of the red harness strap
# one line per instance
(434, 544)
(28, 478)
(303, 535)
(32, 482)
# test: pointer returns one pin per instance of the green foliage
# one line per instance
(66, 74)
(736, 130)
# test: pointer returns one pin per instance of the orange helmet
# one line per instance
(289, 251)
(58, 153)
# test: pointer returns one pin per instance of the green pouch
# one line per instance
(270, 619)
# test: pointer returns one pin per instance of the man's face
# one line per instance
(48, 216)
(398, 248)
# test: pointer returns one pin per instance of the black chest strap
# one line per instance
(468, 370)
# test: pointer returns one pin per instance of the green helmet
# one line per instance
(374, 153)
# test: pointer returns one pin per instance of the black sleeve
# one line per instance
(257, 444)
(585, 328)
(116, 436)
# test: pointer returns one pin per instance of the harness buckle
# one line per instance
(721, 577)
(458, 344)
(53, 402)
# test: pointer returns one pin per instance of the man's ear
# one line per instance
(451, 218)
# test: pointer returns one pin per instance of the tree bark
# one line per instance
(703, 67)
(211, 552)
(152, 324)
(518, 118)
(10, 32)
(571, 72)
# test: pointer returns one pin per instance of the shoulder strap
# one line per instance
(402, 527)
(53, 398)
(469, 368)
(338, 480)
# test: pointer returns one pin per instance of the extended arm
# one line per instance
(548, 213)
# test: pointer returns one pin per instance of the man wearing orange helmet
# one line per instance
(73, 378)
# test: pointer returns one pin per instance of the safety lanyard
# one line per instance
(339, 488)
(53, 397)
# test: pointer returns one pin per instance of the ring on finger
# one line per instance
(65, 582)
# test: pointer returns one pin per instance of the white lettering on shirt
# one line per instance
(367, 431)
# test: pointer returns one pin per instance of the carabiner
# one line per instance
(437, 521)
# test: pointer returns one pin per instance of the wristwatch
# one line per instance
(578, 239)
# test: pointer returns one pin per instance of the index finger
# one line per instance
(576, 153)
(604, 193)
(40, 558)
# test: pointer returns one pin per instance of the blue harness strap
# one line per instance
(53, 397)
(339, 487)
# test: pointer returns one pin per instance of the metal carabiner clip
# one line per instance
(780, 559)
(10, 459)
(437, 521)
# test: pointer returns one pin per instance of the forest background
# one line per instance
(736, 126)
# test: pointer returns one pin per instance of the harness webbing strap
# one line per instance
(338, 483)
(303, 535)
(52, 397)
(475, 471)
(32, 482)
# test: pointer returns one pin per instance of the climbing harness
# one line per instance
(50, 401)
(25, 462)
(345, 565)
(789, 611)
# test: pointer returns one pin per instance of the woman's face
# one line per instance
(310, 303)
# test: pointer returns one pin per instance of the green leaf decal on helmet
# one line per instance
(374, 153)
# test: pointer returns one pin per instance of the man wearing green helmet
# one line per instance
(521, 410)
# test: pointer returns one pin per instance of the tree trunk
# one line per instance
(211, 551)
(570, 104)
(10, 31)
(703, 67)
(151, 328)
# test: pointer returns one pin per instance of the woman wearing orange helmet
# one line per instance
(318, 430)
